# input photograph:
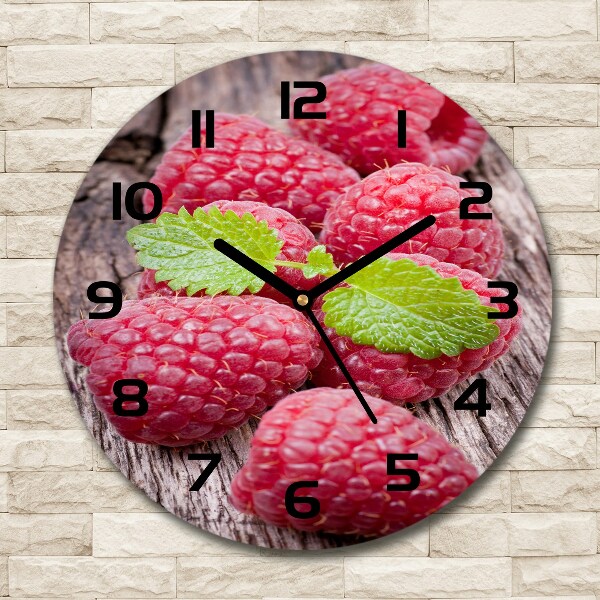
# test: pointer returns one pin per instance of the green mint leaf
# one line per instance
(399, 306)
(180, 249)
(320, 262)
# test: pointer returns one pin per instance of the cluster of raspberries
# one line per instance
(212, 363)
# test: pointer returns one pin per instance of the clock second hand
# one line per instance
(340, 363)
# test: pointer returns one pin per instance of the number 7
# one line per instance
(214, 459)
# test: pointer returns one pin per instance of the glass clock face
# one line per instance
(302, 300)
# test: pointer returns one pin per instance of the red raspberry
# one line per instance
(362, 122)
(251, 161)
(298, 241)
(387, 202)
(402, 378)
(210, 363)
(324, 435)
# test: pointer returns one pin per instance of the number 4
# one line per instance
(482, 405)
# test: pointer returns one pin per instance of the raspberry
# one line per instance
(324, 435)
(298, 241)
(362, 122)
(387, 202)
(251, 161)
(210, 363)
(402, 378)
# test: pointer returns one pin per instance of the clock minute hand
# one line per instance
(256, 269)
(372, 256)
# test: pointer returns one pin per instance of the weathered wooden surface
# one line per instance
(93, 248)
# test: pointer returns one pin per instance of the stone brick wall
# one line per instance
(72, 72)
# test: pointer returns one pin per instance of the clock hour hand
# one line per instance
(256, 269)
(340, 364)
(372, 256)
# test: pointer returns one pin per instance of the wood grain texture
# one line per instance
(93, 248)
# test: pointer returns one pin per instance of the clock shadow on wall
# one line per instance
(93, 248)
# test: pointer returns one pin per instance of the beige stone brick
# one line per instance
(66, 450)
(413, 541)
(42, 24)
(503, 136)
(26, 280)
(114, 106)
(37, 194)
(76, 492)
(87, 577)
(490, 493)
(442, 61)
(572, 233)
(570, 362)
(576, 319)
(373, 20)
(174, 22)
(42, 409)
(3, 492)
(2, 237)
(513, 535)
(3, 576)
(469, 535)
(54, 150)
(3, 71)
(2, 145)
(562, 190)
(3, 327)
(565, 406)
(512, 20)
(426, 577)
(61, 535)
(30, 325)
(555, 491)
(88, 66)
(30, 367)
(192, 58)
(3, 410)
(566, 62)
(560, 147)
(33, 237)
(252, 577)
(24, 108)
(158, 535)
(101, 461)
(539, 449)
(528, 104)
(551, 575)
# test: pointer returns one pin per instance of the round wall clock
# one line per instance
(302, 300)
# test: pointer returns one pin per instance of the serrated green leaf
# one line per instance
(180, 249)
(319, 262)
(399, 306)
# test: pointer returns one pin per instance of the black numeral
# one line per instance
(479, 386)
(214, 459)
(138, 397)
(302, 100)
(209, 129)
(401, 129)
(116, 299)
(486, 196)
(511, 293)
(314, 506)
(413, 476)
(130, 201)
